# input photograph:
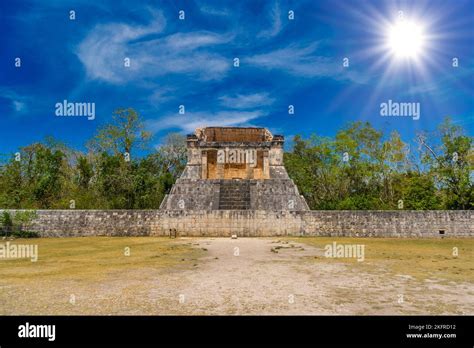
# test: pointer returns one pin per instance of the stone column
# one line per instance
(276, 151)
(193, 165)
(249, 168)
(220, 167)
(220, 170)
(203, 164)
(249, 171)
(266, 165)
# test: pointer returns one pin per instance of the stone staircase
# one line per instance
(234, 195)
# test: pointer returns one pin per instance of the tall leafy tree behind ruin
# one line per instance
(51, 175)
(362, 169)
(125, 133)
(113, 158)
(451, 163)
(34, 178)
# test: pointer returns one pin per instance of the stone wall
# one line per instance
(224, 223)
(69, 223)
(199, 194)
(382, 223)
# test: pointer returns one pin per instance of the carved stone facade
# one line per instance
(233, 168)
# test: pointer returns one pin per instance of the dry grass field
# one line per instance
(217, 276)
(422, 259)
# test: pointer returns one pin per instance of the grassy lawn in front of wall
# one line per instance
(93, 258)
(419, 258)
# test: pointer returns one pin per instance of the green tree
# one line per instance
(419, 193)
(451, 163)
(122, 135)
(85, 172)
(112, 150)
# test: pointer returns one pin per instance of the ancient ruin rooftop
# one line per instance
(233, 134)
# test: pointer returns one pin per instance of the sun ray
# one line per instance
(401, 45)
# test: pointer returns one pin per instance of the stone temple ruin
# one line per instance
(231, 168)
(235, 184)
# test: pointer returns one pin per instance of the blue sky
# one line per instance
(190, 62)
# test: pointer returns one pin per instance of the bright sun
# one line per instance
(406, 39)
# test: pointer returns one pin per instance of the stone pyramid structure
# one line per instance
(234, 168)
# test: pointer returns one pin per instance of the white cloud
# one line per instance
(192, 120)
(302, 60)
(295, 59)
(19, 106)
(275, 17)
(247, 101)
(104, 49)
(161, 94)
(212, 11)
(18, 102)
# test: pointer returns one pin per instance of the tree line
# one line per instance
(51, 175)
(361, 168)
(358, 168)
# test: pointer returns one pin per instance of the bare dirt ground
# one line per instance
(245, 276)
(270, 276)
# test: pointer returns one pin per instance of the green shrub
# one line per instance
(6, 223)
(24, 234)
(18, 226)
(6, 220)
